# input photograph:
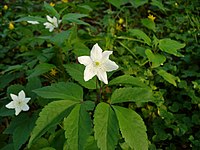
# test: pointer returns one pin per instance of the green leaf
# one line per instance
(137, 3)
(149, 24)
(23, 130)
(78, 127)
(60, 38)
(50, 116)
(127, 79)
(31, 18)
(129, 94)
(132, 128)
(141, 35)
(106, 130)
(61, 90)
(170, 46)
(41, 69)
(51, 10)
(156, 59)
(158, 4)
(118, 3)
(168, 77)
(75, 18)
(76, 72)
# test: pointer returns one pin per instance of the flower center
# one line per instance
(97, 63)
(19, 103)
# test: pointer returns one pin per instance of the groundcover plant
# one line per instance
(99, 75)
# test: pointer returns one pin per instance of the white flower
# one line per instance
(33, 22)
(97, 63)
(19, 102)
(53, 23)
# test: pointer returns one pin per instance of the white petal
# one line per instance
(110, 65)
(85, 60)
(17, 111)
(21, 95)
(51, 28)
(55, 22)
(102, 76)
(106, 55)
(10, 105)
(14, 97)
(26, 100)
(49, 19)
(33, 22)
(59, 21)
(96, 53)
(25, 107)
(89, 72)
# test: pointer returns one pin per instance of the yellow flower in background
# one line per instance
(121, 20)
(11, 26)
(52, 4)
(64, 1)
(151, 17)
(5, 7)
(118, 27)
(53, 72)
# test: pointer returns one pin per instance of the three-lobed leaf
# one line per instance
(129, 94)
(50, 116)
(171, 46)
(132, 128)
(106, 130)
(78, 127)
(61, 90)
(156, 59)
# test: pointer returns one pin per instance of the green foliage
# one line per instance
(50, 116)
(105, 127)
(132, 128)
(61, 90)
(135, 94)
(77, 127)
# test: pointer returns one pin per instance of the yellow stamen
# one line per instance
(97, 63)
(64, 1)
(5, 7)
(52, 4)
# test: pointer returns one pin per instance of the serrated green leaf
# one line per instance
(78, 127)
(168, 77)
(106, 130)
(156, 59)
(132, 128)
(118, 3)
(41, 69)
(141, 35)
(135, 94)
(149, 24)
(137, 3)
(75, 18)
(61, 90)
(51, 10)
(127, 79)
(50, 116)
(76, 72)
(170, 46)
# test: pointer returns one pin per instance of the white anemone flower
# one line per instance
(53, 23)
(33, 22)
(97, 63)
(19, 102)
